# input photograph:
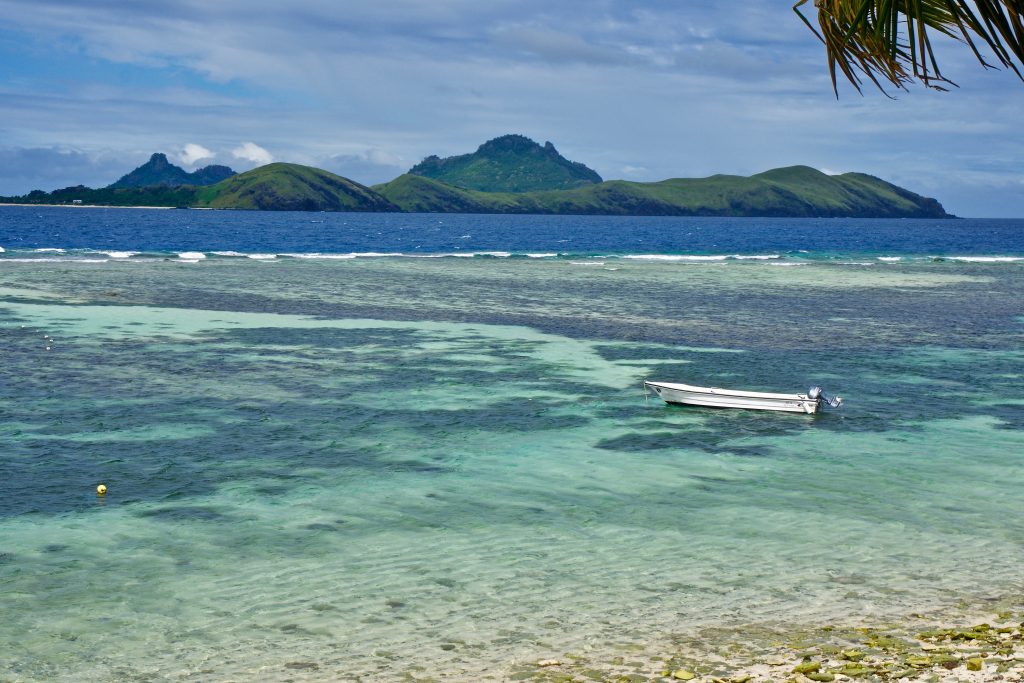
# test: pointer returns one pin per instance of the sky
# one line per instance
(637, 90)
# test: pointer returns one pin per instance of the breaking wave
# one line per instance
(800, 257)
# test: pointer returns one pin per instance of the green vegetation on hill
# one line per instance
(416, 194)
(159, 171)
(275, 187)
(511, 163)
(797, 191)
(839, 194)
(210, 175)
(291, 187)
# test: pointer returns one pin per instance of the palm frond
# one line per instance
(889, 41)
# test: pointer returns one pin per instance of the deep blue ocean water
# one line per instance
(340, 233)
(329, 458)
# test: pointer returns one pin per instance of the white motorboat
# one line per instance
(715, 397)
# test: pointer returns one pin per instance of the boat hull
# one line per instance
(714, 397)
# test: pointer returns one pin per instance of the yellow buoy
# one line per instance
(101, 490)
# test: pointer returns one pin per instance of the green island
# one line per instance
(510, 174)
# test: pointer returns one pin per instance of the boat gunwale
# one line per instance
(737, 393)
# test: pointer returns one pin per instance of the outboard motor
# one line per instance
(815, 393)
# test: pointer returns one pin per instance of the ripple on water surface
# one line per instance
(310, 494)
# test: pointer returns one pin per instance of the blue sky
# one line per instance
(636, 90)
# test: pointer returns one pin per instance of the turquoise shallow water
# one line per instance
(369, 468)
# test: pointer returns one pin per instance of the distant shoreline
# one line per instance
(88, 206)
(485, 212)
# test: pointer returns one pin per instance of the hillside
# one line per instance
(275, 187)
(291, 187)
(159, 171)
(511, 163)
(797, 191)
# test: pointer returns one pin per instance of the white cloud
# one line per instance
(250, 151)
(642, 89)
(193, 153)
(368, 166)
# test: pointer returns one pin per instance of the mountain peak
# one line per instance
(507, 143)
(509, 163)
(159, 171)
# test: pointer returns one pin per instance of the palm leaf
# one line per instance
(889, 41)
